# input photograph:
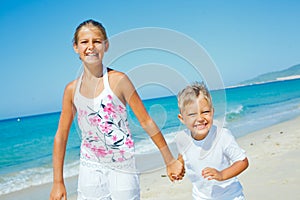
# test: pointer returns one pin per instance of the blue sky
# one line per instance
(243, 38)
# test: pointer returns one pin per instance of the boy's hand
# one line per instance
(175, 170)
(232, 171)
(211, 173)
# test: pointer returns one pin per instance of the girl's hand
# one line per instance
(58, 192)
(211, 173)
(175, 170)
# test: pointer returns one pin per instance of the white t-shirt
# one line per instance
(218, 150)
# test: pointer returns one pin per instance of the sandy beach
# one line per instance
(273, 173)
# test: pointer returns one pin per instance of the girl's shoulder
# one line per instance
(71, 85)
(115, 73)
(70, 88)
(117, 76)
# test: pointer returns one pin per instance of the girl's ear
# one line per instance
(75, 47)
(106, 45)
(180, 118)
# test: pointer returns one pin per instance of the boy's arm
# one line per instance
(232, 171)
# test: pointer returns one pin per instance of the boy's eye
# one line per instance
(191, 114)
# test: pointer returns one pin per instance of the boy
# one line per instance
(210, 154)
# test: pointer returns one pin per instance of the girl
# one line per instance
(99, 96)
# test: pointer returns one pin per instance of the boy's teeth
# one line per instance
(200, 125)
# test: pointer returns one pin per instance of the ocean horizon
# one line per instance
(27, 141)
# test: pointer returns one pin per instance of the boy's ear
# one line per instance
(180, 118)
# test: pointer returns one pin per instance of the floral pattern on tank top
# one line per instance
(104, 128)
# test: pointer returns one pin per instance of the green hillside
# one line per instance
(273, 76)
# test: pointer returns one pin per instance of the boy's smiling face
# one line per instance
(198, 117)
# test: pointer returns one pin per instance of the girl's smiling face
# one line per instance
(198, 117)
(91, 45)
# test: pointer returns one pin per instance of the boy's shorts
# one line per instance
(107, 184)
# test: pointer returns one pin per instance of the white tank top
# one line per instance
(103, 123)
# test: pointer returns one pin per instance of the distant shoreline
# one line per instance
(287, 78)
(19, 118)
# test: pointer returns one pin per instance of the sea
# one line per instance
(26, 142)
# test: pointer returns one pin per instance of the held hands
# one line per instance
(175, 170)
(58, 192)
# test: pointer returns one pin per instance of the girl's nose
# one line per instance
(90, 45)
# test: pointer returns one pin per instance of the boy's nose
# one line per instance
(199, 117)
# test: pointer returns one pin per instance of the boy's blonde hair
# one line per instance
(192, 92)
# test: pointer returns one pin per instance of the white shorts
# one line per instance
(107, 184)
(241, 197)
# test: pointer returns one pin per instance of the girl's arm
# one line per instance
(232, 171)
(60, 142)
(180, 158)
(174, 167)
